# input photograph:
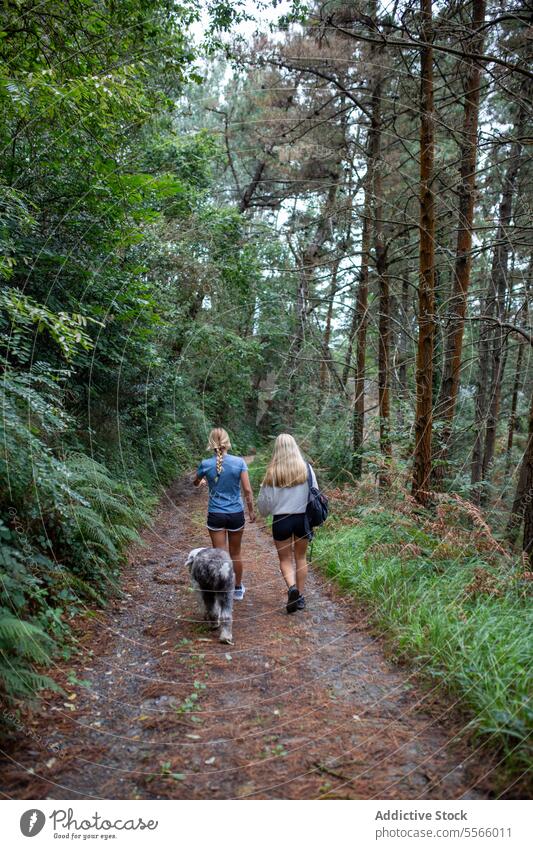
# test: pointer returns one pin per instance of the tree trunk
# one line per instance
(491, 338)
(522, 509)
(253, 185)
(362, 278)
(327, 329)
(426, 286)
(305, 277)
(527, 499)
(384, 293)
(404, 351)
(453, 343)
(514, 402)
(516, 514)
(481, 396)
(384, 360)
(499, 358)
(360, 316)
(362, 326)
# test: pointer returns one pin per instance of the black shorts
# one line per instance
(225, 521)
(288, 525)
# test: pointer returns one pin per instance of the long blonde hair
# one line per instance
(287, 466)
(219, 442)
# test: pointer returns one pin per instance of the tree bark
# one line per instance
(426, 286)
(499, 358)
(522, 509)
(360, 316)
(305, 277)
(491, 337)
(252, 186)
(384, 330)
(514, 402)
(362, 277)
(404, 351)
(453, 343)
(362, 326)
(327, 329)
(527, 499)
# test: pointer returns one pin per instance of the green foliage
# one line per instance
(21, 643)
(257, 470)
(66, 523)
(23, 312)
(117, 345)
(102, 520)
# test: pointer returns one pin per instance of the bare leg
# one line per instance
(218, 539)
(300, 550)
(284, 549)
(235, 540)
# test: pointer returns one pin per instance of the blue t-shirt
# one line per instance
(224, 494)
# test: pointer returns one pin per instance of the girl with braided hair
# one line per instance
(225, 475)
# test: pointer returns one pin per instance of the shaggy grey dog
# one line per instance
(212, 574)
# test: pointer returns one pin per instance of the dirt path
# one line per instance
(304, 706)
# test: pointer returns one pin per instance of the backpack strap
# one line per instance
(307, 526)
(309, 477)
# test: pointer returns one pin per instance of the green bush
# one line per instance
(67, 522)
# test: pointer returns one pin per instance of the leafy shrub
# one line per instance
(67, 523)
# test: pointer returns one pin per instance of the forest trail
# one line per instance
(303, 706)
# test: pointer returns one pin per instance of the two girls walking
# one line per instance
(284, 494)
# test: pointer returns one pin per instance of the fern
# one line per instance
(20, 682)
(28, 640)
(82, 588)
(22, 643)
(68, 520)
(93, 530)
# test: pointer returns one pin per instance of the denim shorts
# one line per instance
(288, 525)
(225, 521)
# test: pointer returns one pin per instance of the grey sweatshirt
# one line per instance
(276, 500)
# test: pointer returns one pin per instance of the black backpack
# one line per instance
(317, 508)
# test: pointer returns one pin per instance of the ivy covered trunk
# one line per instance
(426, 285)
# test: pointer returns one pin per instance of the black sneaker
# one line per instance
(292, 599)
(300, 604)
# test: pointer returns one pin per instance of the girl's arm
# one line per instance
(199, 478)
(248, 495)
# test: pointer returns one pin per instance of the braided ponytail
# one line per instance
(219, 442)
(219, 453)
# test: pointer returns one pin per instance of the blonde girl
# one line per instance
(284, 494)
(225, 476)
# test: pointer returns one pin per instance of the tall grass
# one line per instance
(463, 619)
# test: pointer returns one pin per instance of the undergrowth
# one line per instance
(66, 521)
(450, 599)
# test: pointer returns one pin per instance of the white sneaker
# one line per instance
(238, 592)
